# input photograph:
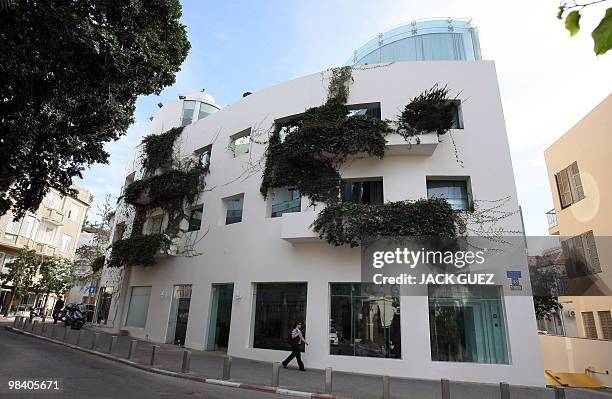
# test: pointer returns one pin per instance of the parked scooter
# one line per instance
(74, 316)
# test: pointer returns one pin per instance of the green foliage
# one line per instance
(98, 263)
(572, 22)
(602, 34)
(57, 275)
(158, 150)
(432, 111)
(319, 142)
(21, 272)
(350, 224)
(139, 250)
(70, 74)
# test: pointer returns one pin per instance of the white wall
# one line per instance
(252, 251)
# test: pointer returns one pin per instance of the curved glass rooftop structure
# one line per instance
(424, 40)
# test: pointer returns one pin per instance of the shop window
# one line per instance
(138, 307)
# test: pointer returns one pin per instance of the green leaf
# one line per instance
(561, 10)
(572, 22)
(602, 34)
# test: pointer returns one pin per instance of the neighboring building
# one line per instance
(580, 173)
(52, 230)
(258, 265)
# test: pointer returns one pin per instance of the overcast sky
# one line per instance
(548, 81)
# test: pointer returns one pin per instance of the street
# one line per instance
(86, 376)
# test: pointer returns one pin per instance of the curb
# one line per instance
(192, 377)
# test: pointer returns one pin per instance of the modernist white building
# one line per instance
(257, 266)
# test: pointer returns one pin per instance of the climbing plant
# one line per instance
(168, 184)
(432, 111)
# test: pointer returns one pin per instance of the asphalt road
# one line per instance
(88, 376)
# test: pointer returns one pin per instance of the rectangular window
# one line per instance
(277, 307)
(454, 191)
(103, 305)
(365, 320)
(588, 321)
(467, 324)
(581, 257)
(368, 191)
(195, 218)
(74, 212)
(188, 110)
(569, 185)
(457, 116)
(53, 200)
(119, 232)
(139, 307)
(28, 227)
(205, 110)
(203, 155)
(46, 233)
(605, 319)
(240, 143)
(233, 209)
(154, 224)
(286, 200)
(372, 110)
(65, 245)
(13, 226)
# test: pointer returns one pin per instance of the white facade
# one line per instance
(263, 249)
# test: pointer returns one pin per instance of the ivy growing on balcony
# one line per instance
(349, 224)
(432, 111)
(168, 184)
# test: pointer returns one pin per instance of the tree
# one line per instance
(21, 274)
(56, 276)
(70, 73)
(602, 34)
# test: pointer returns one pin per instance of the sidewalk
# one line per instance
(351, 385)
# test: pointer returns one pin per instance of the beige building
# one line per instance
(53, 230)
(580, 174)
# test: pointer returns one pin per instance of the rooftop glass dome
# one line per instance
(424, 40)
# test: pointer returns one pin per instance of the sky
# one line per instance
(548, 81)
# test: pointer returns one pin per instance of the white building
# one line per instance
(254, 273)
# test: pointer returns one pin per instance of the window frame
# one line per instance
(236, 150)
(194, 209)
(448, 179)
(226, 209)
(361, 180)
(569, 185)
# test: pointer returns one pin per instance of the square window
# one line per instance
(369, 191)
(285, 200)
(365, 320)
(454, 191)
(467, 324)
(203, 155)
(233, 209)
(195, 218)
(240, 143)
(277, 307)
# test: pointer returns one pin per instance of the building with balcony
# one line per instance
(256, 265)
(579, 173)
(53, 230)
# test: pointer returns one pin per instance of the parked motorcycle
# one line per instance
(74, 316)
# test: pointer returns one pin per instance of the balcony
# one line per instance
(553, 223)
(295, 227)
(53, 216)
(424, 144)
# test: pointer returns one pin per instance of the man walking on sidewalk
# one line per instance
(295, 340)
(57, 309)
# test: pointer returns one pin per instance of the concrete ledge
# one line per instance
(192, 377)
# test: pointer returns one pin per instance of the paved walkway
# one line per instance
(210, 364)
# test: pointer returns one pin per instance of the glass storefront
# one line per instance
(467, 324)
(139, 307)
(365, 320)
(277, 307)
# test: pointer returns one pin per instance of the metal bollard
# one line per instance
(504, 390)
(275, 376)
(328, 380)
(386, 387)
(32, 323)
(445, 386)
(34, 326)
(54, 331)
(94, 341)
(16, 321)
(559, 393)
(42, 328)
(186, 362)
(132, 352)
(112, 344)
(66, 333)
(154, 350)
(24, 321)
(227, 367)
(78, 341)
